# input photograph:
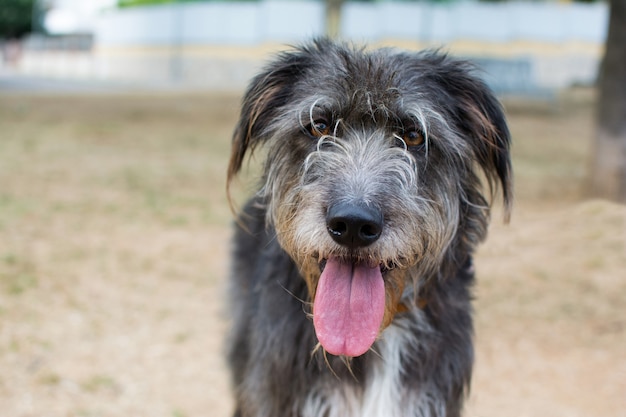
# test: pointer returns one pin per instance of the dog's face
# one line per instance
(374, 176)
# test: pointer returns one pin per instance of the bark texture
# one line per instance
(608, 164)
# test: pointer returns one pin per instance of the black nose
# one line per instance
(354, 225)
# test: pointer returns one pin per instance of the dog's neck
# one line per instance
(384, 393)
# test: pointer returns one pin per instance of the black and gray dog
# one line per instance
(352, 265)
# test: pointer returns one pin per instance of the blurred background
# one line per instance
(534, 46)
(115, 123)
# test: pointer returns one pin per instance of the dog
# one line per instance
(352, 265)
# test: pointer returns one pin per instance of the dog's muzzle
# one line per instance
(350, 298)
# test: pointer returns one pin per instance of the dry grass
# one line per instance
(113, 243)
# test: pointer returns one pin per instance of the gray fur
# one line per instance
(435, 212)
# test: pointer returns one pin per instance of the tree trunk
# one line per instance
(608, 164)
(333, 18)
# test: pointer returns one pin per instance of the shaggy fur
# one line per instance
(414, 142)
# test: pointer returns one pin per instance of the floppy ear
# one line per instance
(481, 119)
(266, 95)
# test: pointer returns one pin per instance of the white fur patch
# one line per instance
(384, 394)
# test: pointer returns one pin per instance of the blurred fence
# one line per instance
(527, 47)
(61, 56)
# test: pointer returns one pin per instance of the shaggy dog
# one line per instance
(352, 265)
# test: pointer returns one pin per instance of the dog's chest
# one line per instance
(383, 395)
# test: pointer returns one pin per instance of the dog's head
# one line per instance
(377, 167)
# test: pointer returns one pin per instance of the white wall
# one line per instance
(212, 23)
(527, 45)
(502, 22)
(243, 23)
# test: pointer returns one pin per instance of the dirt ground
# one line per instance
(114, 234)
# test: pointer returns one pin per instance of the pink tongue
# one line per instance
(349, 307)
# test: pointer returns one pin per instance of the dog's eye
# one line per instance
(413, 138)
(319, 128)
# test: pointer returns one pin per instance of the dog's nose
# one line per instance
(354, 225)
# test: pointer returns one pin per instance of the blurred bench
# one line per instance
(512, 77)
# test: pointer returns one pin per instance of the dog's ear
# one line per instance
(481, 118)
(265, 97)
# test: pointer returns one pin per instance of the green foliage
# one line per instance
(132, 3)
(15, 18)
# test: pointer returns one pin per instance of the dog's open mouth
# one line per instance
(349, 306)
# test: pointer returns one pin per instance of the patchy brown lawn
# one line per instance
(114, 236)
